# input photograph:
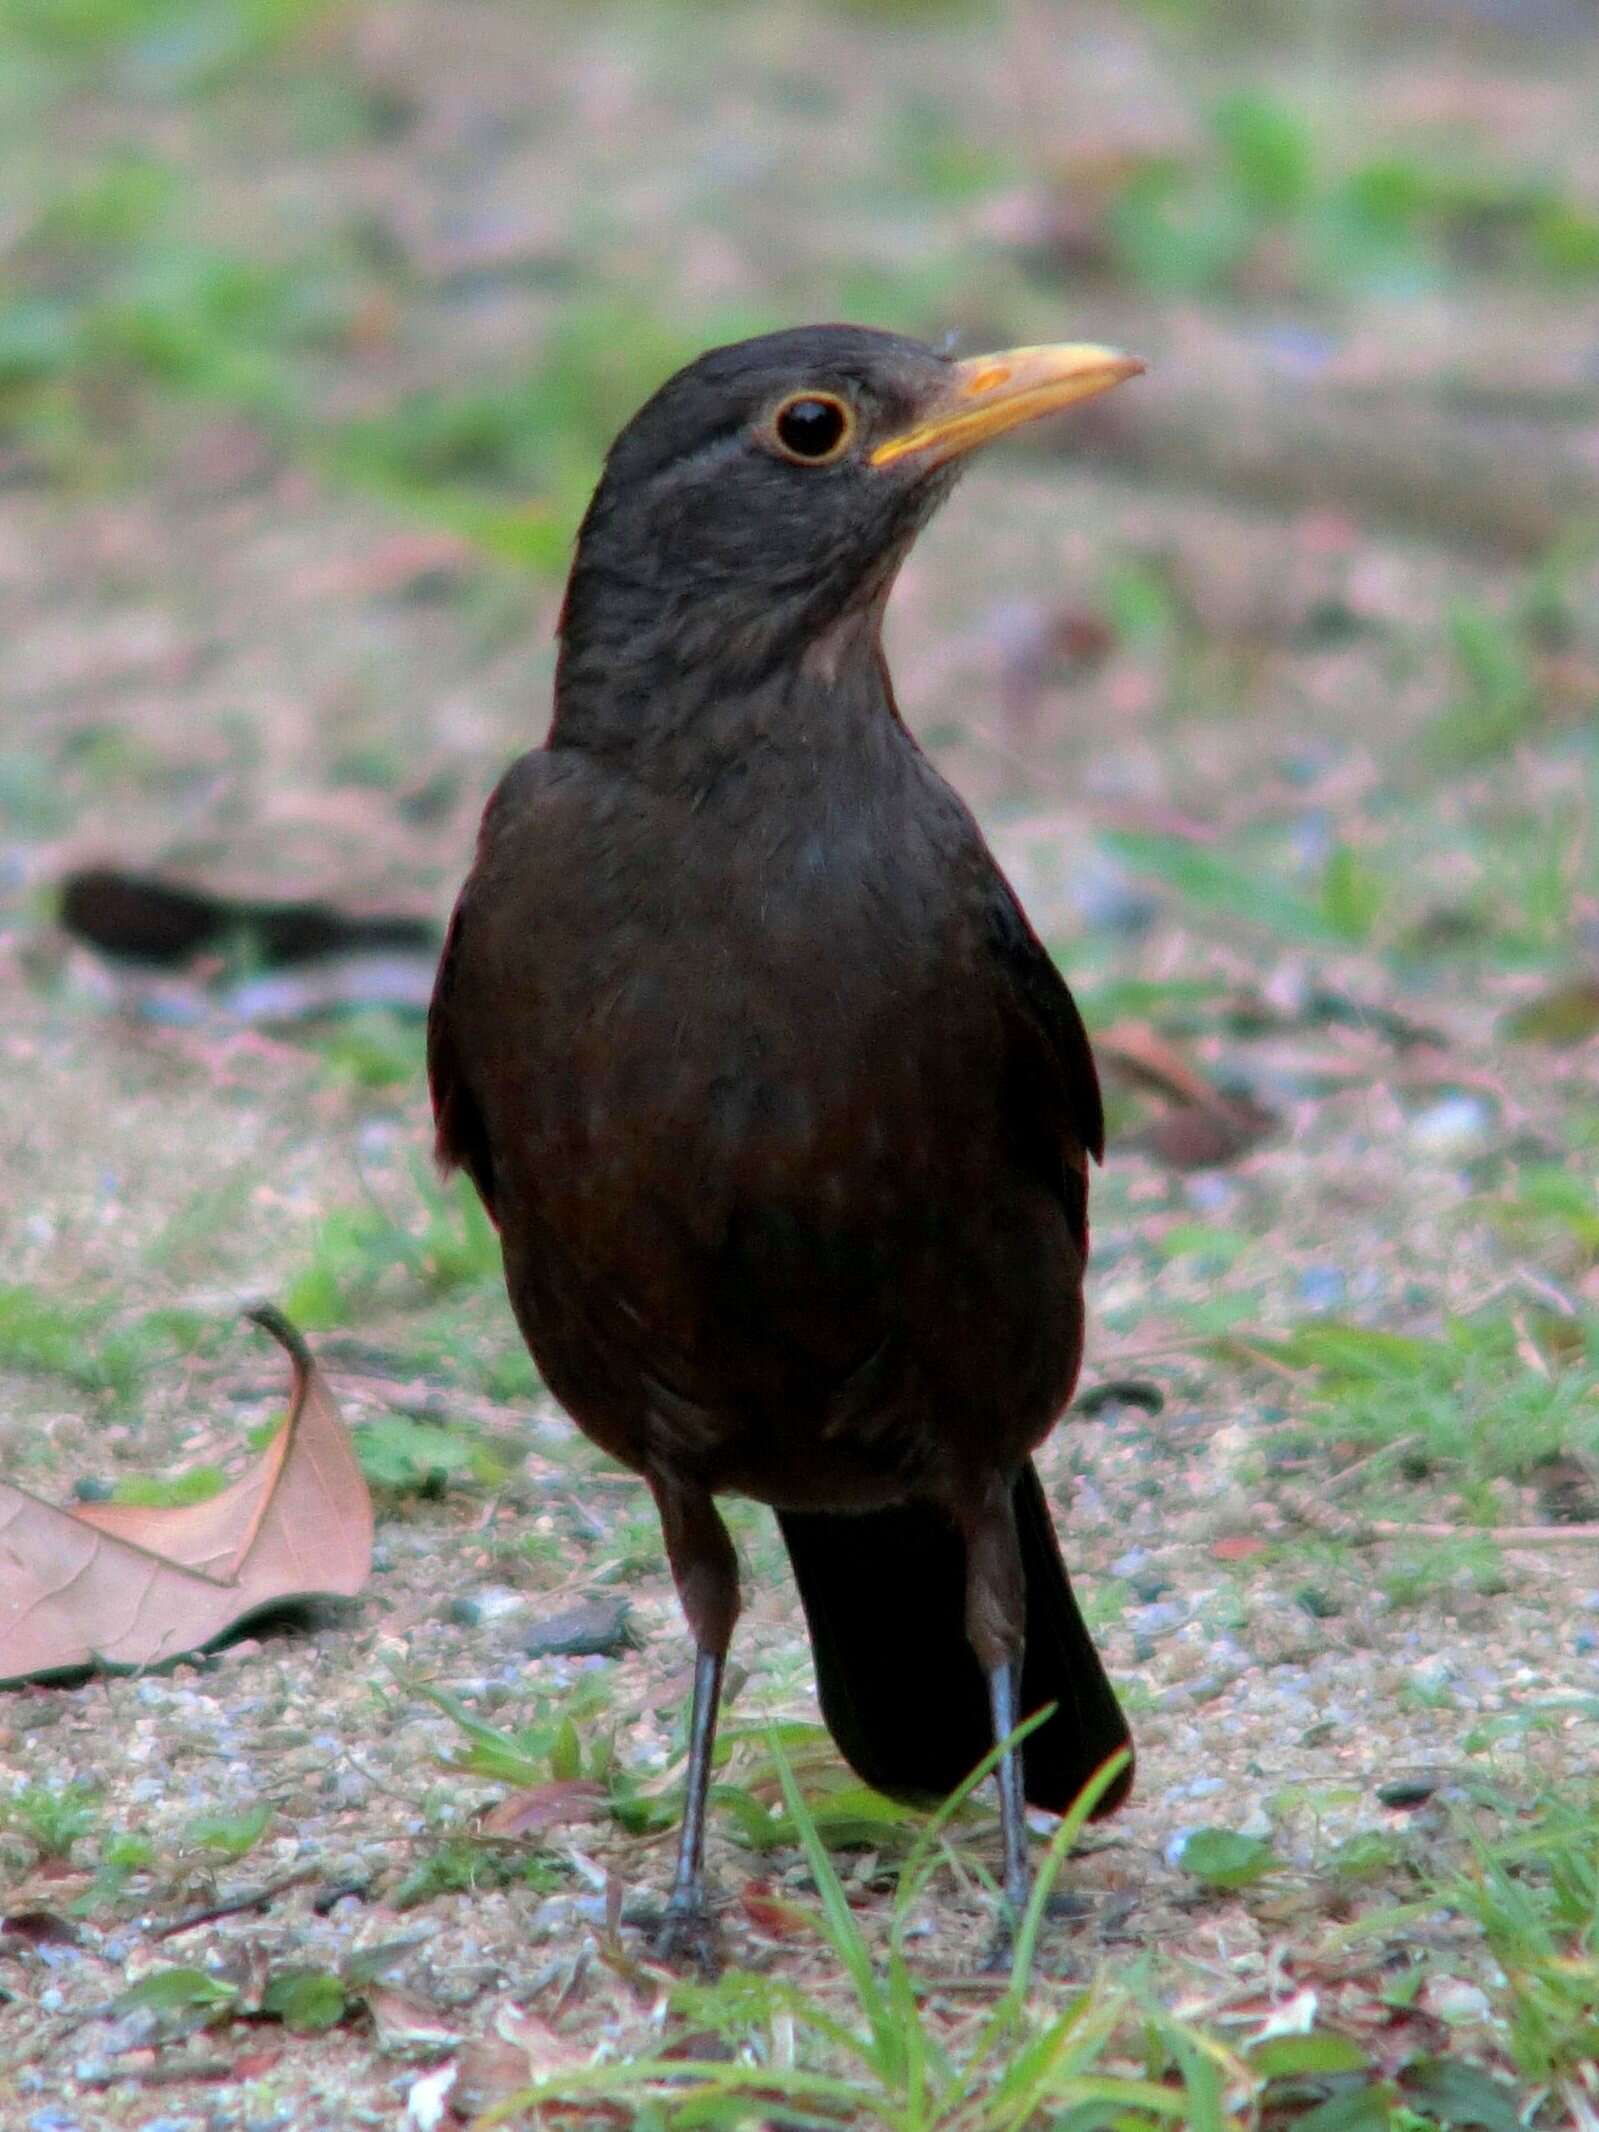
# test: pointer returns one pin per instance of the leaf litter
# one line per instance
(128, 1586)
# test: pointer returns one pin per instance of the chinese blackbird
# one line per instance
(783, 1112)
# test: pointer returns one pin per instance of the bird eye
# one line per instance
(813, 427)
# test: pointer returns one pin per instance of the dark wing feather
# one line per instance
(1053, 1101)
(461, 1138)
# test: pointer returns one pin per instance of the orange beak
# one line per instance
(986, 395)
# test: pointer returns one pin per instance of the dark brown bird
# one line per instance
(783, 1112)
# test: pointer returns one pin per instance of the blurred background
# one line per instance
(1274, 678)
(1275, 675)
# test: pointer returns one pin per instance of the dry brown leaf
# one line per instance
(1188, 1138)
(1140, 1054)
(545, 1806)
(769, 1913)
(1566, 1016)
(544, 2049)
(1237, 1547)
(1202, 1127)
(123, 1585)
(408, 2027)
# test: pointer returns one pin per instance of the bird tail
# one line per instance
(901, 1689)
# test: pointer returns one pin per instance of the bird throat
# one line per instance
(719, 697)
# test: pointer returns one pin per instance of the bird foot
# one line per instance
(1001, 1949)
(688, 1938)
(999, 1952)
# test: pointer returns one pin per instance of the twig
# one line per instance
(1319, 1515)
(171, 2074)
(1500, 1535)
(233, 1906)
(1346, 1474)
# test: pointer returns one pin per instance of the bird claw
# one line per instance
(1001, 1949)
(688, 1937)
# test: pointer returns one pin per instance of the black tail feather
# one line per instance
(900, 1687)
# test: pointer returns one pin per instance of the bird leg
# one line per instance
(1004, 1691)
(705, 1569)
(996, 1610)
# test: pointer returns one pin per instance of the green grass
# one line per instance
(510, 464)
(363, 1255)
(1249, 886)
(405, 1457)
(1108, 2055)
(51, 1817)
(86, 1343)
(230, 1836)
(1553, 1206)
(1469, 1401)
(1258, 193)
(1533, 1896)
(464, 1864)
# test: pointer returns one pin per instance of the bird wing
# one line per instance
(461, 1134)
(461, 1138)
(1054, 1100)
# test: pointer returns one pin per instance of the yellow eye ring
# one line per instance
(813, 428)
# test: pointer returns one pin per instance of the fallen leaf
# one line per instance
(1203, 1126)
(1568, 1491)
(486, 2071)
(544, 2049)
(128, 1585)
(1120, 1392)
(252, 2064)
(1569, 1014)
(1188, 1138)
(408, 2027)
(770, 1914)
(602, 1628)
(1223, 1858)
(1141, 1055)
(545, 1806)
(146, 918)
(306, 2001)
(1237, 1548)
(40, 1928)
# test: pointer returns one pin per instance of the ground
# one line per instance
(1276, 691)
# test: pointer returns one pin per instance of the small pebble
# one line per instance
(1455, 1125)
(1210, 1192)
(491, 1602)
(1454, 1999)
(1322, 1287)
(1408, 1791)
(1199, 1788)
(601, 1629)
(1108, 899)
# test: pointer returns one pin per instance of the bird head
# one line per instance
(766, 495)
